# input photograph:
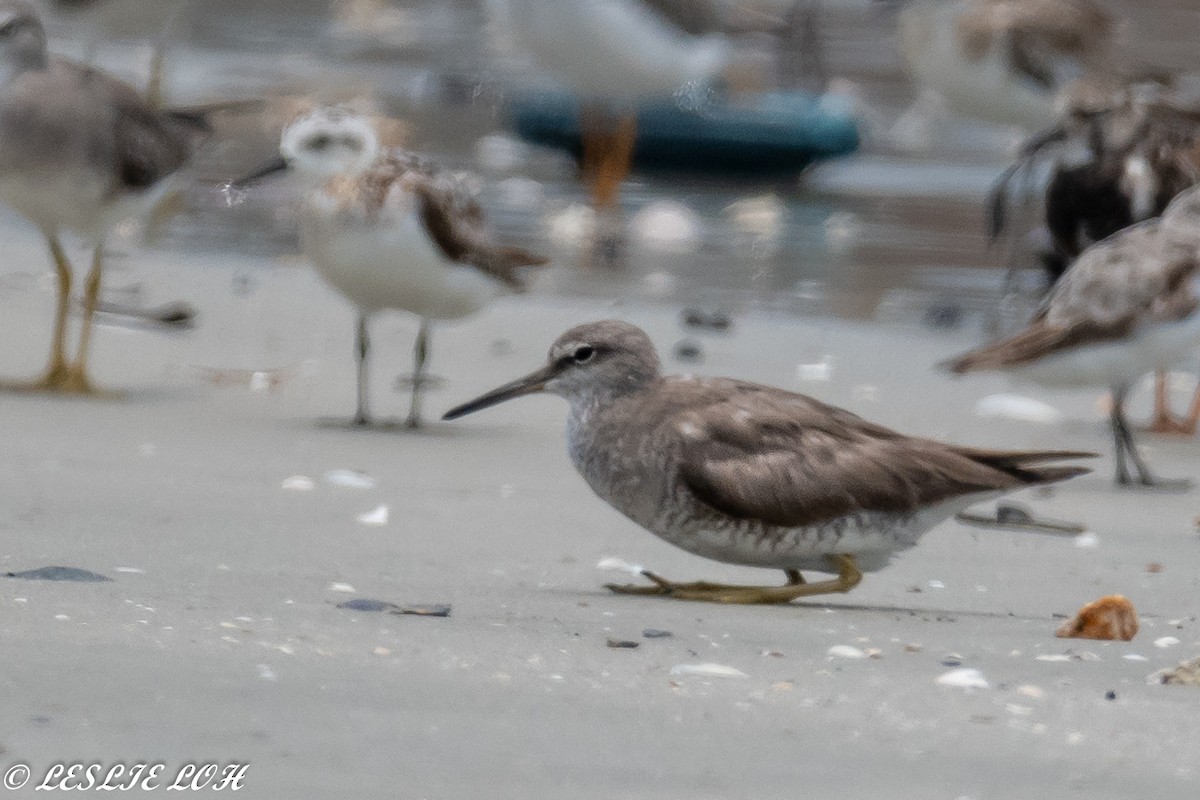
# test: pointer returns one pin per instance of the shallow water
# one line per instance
(882, 233)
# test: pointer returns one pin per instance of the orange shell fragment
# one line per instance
(1112, 617)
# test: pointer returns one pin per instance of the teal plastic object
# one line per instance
(770, 132)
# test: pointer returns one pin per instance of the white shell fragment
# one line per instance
(377, 517)
(1087, 541)
(707, 670)
(1017, 407)
(1166, 641)
(845, 651)
(298, 483)
(345, 588)
(613, 564)
(964, 678)
(666, 224)
(350, 479)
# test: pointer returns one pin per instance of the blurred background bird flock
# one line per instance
(1016, 174)
(946, 188)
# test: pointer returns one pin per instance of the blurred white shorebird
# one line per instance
(79, 151)
(390, 231)
(613, 54)
(1003, 61)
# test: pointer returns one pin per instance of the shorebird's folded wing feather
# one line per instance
(1142, 275)
(788, 460)
(455, 223)
(150, 144)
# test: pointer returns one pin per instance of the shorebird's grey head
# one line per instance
(594, 361)
(22, 39)
(323, 144)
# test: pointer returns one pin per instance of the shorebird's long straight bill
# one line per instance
(276, 164)
(530, 384)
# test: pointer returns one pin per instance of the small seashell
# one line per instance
(1087, 541)
(707, 670)
(845, 651)
(1016, 407)
(350, 479)
(376, 517)
(619, 565)
(1134, 657)
(964, 678)
(1166, 641)
(622, 644)
(1186, 674)
(342, 587)
(1111, 618)
(298, 483)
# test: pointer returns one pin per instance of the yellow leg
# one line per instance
(56, 369)
(848, 576)
(77, 377)
(154, 93)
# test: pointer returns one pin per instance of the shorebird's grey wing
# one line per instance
(455, 223)
(151, 144)
(697, 17)
(788, 460)
(1138, 276)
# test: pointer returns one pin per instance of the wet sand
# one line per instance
(226, 643)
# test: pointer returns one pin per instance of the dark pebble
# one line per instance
(60, 574)
(363, 604)
(655, 633)
(687, 350)
(1110, 695)
(716, 320)
(622, 644)
(437, 610)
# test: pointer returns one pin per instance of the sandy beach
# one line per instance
(219, 637)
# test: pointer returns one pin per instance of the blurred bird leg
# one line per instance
(77, 378)
(56, 370)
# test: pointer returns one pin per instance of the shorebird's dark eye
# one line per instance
(583, 354)
(319, 142)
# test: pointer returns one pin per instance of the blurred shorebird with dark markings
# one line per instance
(1005, 61)
(389, 230)
(749, 474)
(79, 151)
(1130, 304)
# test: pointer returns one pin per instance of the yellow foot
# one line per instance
(848, 577)
(60, 380)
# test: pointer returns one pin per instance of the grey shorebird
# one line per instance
(79, 151)
(1129, 305)
(389, 230)
(749, 474)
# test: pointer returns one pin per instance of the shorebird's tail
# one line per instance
(1026, 465)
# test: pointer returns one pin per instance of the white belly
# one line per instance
(609, 48)
(874, 538)
(1151, 347)
(394, 266)
(75, 202)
